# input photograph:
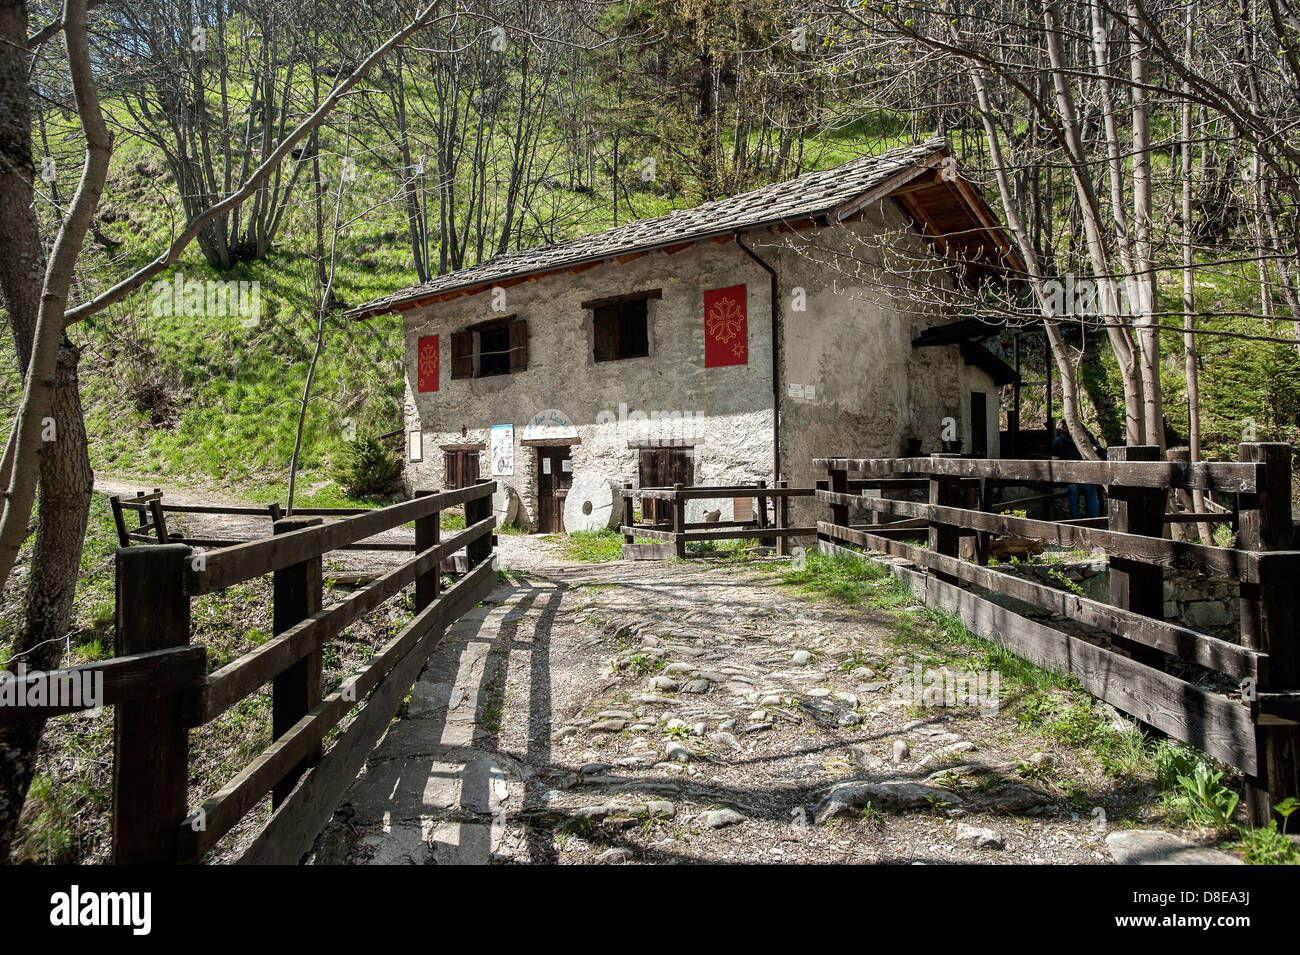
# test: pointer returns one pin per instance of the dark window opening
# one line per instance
(494, 351)
(621, 330)
(498, 347)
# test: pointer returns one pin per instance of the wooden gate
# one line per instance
(659, 468)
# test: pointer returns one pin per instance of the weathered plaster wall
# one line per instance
(726, 411)
(852, 342)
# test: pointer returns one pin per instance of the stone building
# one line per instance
(717, 345)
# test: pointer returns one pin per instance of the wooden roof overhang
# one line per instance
(968, 334)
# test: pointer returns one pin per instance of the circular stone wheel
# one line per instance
(592, 504)
(505, 504)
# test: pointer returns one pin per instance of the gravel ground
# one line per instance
(668, 712)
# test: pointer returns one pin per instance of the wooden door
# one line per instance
(663, 467)
(554, 478)
(461, 469)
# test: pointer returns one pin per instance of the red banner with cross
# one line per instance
(426, 365)
(726, 327)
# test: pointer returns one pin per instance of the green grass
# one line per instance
(849, 580)
(591, 547)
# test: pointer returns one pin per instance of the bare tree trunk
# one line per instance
(1069, 391)
(32, 432)
(1189, 279)
(65, 478)
(1148, 335)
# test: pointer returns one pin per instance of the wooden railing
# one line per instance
(161, 688)
(676, 532)
(1258, 733)
(151, 520)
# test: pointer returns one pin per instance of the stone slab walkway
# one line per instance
(669, 712)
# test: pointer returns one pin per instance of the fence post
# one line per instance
(984, 493)
(823, 485)
(1136, 585)
(945, 538)
(297, 595)
(679, 520)
(479, 509)
(840, 485)
(115, 503)
(1268, 620)
(781, 505)
(428, 531)
(1182, 496)
(150, 742)
(629, 512)
(760, 502)
(159, 521)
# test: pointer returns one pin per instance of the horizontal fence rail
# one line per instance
(945, 541)
(676, 532)
(159, 685)
(152, 509)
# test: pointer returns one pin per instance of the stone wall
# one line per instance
(852, 343)
(1207, 605)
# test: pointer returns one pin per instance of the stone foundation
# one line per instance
(1206, 605)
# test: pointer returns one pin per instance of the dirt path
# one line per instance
(668, 712)
(250, 527)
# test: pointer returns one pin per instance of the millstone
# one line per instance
(505, 504)
(593, 504)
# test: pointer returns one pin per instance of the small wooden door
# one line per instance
(461, 468)
(663, 467)
(554, 478)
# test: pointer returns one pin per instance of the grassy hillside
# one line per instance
(206, 401)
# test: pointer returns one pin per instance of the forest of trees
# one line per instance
(1143, 154)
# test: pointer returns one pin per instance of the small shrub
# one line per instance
(364, 466)
(1267, 846)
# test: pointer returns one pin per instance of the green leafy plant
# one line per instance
(1208, 800)
(1066, 583)
(1284, 809)
(365, 466)
(1171, 762)
(1266, 846)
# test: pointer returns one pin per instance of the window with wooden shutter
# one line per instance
(462, 355)
(460, 468)
(486, 349)
(518, 346)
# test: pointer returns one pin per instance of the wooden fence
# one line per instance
(676, 532)
(151, 520)
(160, 687)
(1257, 730)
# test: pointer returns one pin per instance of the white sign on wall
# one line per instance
(502, 448)
(550, 423)
(806, 392)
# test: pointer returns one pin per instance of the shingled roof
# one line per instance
(834, 193)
